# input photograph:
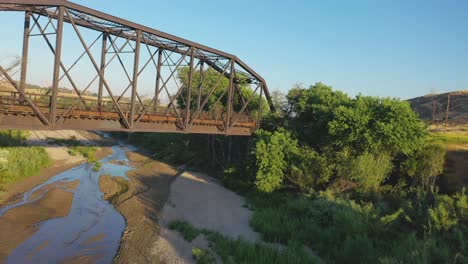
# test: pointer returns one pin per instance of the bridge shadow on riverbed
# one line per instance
(60, 138)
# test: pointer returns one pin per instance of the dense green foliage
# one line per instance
(343, 230)
(363, 141)
(354, 179)
(17, 160)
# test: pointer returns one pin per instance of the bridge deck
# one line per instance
(16, 114)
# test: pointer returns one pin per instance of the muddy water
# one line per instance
(93, 227)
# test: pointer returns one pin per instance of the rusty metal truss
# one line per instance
(126, 109)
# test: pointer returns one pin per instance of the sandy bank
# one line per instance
(141, 205)
(201, 201)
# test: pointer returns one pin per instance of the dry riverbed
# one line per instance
(154, 195)
(158, 194)
(19, 223)
(61, 159)
(51, 201)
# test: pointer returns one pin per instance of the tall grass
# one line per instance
(449, 138)
(88, 152)
(341, 230)
(20, 162)
(242, 251)
(17, 160)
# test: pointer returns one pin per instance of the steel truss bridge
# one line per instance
(134, 50)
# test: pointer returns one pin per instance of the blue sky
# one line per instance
(391, 48)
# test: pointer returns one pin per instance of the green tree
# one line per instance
(373, 124)
(271, 151)
(210, 79)
(312, 111)
(425, 166)
(308, 170)
(370, 170)
(218, 98)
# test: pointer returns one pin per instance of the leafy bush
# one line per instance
(202, 256)
(97, 166)
(425, 166)
(370, 170)
(270, 152)
(188, 232)
(346, 231)
(11, 138)
(87, 152)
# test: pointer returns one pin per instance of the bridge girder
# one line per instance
(59, 12)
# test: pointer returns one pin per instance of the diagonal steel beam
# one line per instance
(231, 123)
(54, 51)
(180, 89)
(119, 110)
(97, 75)
(209, 95)
(31, 104)
(125, 70)
(81, 56)
(145, 109)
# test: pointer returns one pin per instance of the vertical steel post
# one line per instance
(24, 58)
(56, 78)
(189, 89)
(260, 108)
(447, 113)
(105, 36)
(135, 77)
(229, 99)
(200, 85)
(158, 80)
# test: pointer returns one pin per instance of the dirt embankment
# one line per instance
(141, 203)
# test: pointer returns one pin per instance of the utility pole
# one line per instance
(447, 113)
(433, 111)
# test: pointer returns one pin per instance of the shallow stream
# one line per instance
(93, 227)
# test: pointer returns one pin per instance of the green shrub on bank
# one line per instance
(88, 152)
(202, 256)
(186, 230)
(341, 230)
(76, 148)
(17, 160)
(12, 138)
(242, 251)
(20, 162)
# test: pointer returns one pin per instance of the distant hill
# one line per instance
(432, 108)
